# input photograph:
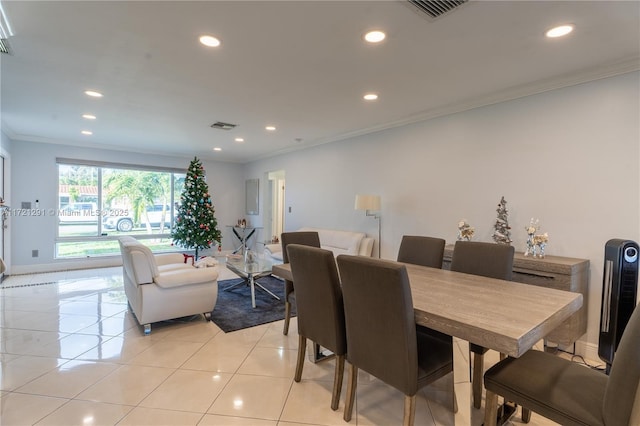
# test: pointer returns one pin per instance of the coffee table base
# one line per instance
(250, 280)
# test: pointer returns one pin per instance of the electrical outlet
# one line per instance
(35, 253)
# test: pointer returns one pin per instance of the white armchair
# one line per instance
(162, 287)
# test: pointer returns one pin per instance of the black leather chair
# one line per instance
(305, 238)
(569, 393)
(488, 260)
(382, 337)
(320, 308)
(418, 250)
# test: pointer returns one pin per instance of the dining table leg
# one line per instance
(462, 384)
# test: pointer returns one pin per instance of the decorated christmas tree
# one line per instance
(502, 230)
(196, 226)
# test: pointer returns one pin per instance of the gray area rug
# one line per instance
(233, 309)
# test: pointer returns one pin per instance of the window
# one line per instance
(98, 202)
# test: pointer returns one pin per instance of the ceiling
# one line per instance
(301, 66)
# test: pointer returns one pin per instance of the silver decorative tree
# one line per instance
(502, 230)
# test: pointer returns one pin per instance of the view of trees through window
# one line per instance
(97, 204)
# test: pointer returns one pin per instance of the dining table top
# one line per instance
(506, 316)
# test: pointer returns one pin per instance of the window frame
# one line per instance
(101, 233)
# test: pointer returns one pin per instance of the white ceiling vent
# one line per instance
(5, 31)
(436, 8)
(4, 46)
(223, 126)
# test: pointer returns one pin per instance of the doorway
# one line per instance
(274, 204)
(3, 218)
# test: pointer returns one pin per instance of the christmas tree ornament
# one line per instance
(501, 229)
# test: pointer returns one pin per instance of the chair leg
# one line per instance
(409, 410)
(287, 316)
(302, 349)
(351, 392)
(455, 400)
(476, 382)
(526, 415)
(337, 382)
(491, 409)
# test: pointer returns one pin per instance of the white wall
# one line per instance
(569, 157)
(34, 177)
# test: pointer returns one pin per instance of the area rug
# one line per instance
(233, 309)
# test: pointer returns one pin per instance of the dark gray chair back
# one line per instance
(624, 377)
(304, 238)
(419, 250)
(381, 328)
(318, 297)
(307, 238)
(485, 259)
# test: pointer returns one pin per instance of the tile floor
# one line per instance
(72, 354)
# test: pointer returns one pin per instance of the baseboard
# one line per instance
(101, 262)
(589, 352)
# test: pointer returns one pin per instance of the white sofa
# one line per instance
(162, 287)
(339, 242)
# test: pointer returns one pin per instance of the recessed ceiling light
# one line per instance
(270, 128)
(375, 36)
(559, 31)
(87, 132)
(89, 116)
(217, 149)
(370, 97)
(209, 41)
(239, 139)
(93, 93)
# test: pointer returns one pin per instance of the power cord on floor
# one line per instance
(580, 358)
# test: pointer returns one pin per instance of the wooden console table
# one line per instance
(562, 273)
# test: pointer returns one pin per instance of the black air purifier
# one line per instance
(619, 292)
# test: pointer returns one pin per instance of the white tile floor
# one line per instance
(72, 354)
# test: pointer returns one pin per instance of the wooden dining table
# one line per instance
(505, 316)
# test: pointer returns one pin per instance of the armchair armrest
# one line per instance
(273, 248)
(168, 258)
(366, 247)
(182, 277)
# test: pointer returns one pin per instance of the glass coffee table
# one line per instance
(250, 272)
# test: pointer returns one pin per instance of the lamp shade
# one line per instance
(367, 202)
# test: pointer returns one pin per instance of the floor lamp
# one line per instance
(370, 203)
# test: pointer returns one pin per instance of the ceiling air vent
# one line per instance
(5, 32)
(437, 8)
(4, 46)
(223, 126)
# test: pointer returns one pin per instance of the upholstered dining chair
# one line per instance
(382, 337)
(320, 308)
(419, 250)
(305, 238)
(489, 260)
(569, 393)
